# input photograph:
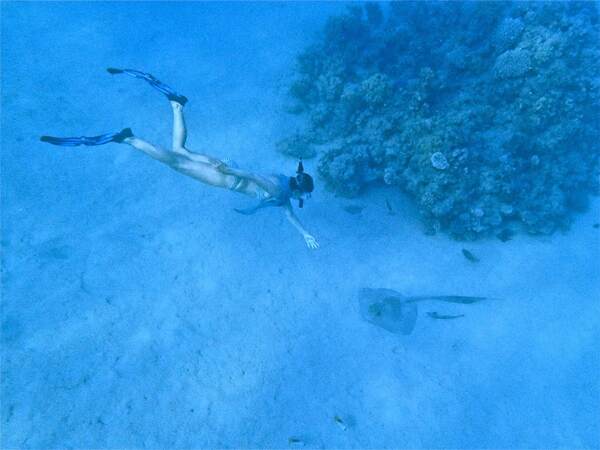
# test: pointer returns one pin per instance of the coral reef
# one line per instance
(296, 145)
(484, 112)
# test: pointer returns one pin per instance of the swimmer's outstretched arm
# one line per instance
(311, 242)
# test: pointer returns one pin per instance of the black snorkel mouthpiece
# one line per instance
(303, 182)
(300, 170)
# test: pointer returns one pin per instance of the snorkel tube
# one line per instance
(300, 170)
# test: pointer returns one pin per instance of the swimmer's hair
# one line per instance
(302, 182)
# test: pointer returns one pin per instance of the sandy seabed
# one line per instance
(139, 310)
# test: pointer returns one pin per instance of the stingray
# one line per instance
(396, 313)
(388, 310)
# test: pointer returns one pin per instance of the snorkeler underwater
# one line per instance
(273, 190)
(444, 157)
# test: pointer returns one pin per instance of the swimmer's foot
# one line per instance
(156, 84)
(89, 140)
(123, 134)
(181, 99)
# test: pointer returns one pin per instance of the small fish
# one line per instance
(505, 235)
(470, 256)
(435, 315)
(340, 423)
(353, 209)
(596, 225)
(59, 252)
(294, 441)
(389, 207)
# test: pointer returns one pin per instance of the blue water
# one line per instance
(140, 311)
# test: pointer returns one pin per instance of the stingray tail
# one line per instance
(446, 298)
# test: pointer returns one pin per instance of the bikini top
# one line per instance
(266, 200)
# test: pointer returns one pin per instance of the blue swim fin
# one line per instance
(156, 84)
(88, 140)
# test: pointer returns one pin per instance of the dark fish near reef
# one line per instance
(435, 315)
(340, 423)
(505, 235)
(294, 441)
(388, 310)
(470, 256)
(445, 298)
(389, 207)
(353, 209)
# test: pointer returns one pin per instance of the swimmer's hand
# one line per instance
(222, 167)
(311, 242)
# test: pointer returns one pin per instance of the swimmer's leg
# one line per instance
(89, 140)
(156, 84)
(206, 173)
(179, 129)
(180, 135)
(153, 151)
